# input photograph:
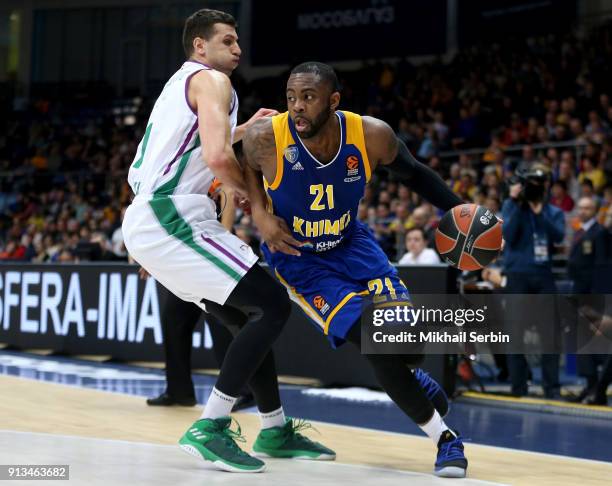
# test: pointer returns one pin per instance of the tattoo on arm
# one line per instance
(258, 143)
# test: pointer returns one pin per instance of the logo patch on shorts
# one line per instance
(320, 304)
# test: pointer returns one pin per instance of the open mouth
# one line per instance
(301, 124)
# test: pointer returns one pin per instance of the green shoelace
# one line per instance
(301, 424)
(230, 437)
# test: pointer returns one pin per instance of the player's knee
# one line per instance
(276, 308)
(272, 304)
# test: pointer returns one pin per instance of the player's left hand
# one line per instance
(277, 235)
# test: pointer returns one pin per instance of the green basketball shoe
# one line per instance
(212, 440)
(286, 442)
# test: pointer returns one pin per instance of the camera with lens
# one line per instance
(533, 181)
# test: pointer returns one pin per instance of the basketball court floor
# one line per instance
(92, 417)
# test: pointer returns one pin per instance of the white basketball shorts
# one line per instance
(178, 240)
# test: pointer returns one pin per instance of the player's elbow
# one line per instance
(218, 162)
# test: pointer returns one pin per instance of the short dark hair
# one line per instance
(324, 71)
(201, 24)
(587, 182)
(420, 230)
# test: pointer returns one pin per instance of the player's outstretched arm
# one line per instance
(210, 93)
(386, 149)
(260, 153)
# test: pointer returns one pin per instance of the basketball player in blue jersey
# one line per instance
(315, 161)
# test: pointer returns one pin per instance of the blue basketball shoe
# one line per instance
(451, 461)
(433, 390)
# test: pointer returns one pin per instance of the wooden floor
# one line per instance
(34, 406)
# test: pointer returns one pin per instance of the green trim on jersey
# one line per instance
(169, 217)
(167, 189)
(145, 140)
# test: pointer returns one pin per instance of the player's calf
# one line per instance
(433, 390)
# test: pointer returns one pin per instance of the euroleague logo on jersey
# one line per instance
(320, 304)
(352, 169)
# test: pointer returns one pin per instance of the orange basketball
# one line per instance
(469, 237)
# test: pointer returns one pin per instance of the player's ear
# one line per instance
(199, 45)
(334, 100)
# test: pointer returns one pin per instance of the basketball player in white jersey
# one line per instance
(171, 230)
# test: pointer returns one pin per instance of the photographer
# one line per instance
(531, 228)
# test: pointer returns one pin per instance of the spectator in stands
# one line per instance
(382, 229)
(418, 253)
(466, 188)
(567, 175)
(560, 198)
(65, 256)
(13, 251)
(528, 158)
(587, 189)
(490, 180)
(402, 221)
(605, 205)
(593, 173)
(421, 218)
(454, 176)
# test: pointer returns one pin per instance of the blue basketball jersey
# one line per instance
(319, 201)
(341, 266)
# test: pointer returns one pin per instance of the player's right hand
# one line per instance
(277, 236)
(243, 203)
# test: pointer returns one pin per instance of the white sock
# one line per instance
(276, 418)
(435, 427)
(218, 405)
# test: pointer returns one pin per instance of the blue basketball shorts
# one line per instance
(333, 287)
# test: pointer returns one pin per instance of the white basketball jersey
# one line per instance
(169, 157)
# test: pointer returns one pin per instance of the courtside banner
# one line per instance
(81, 308)
(106, 309)
(331, 30)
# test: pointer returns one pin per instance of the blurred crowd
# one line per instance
(62, 184)
(475, 119)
